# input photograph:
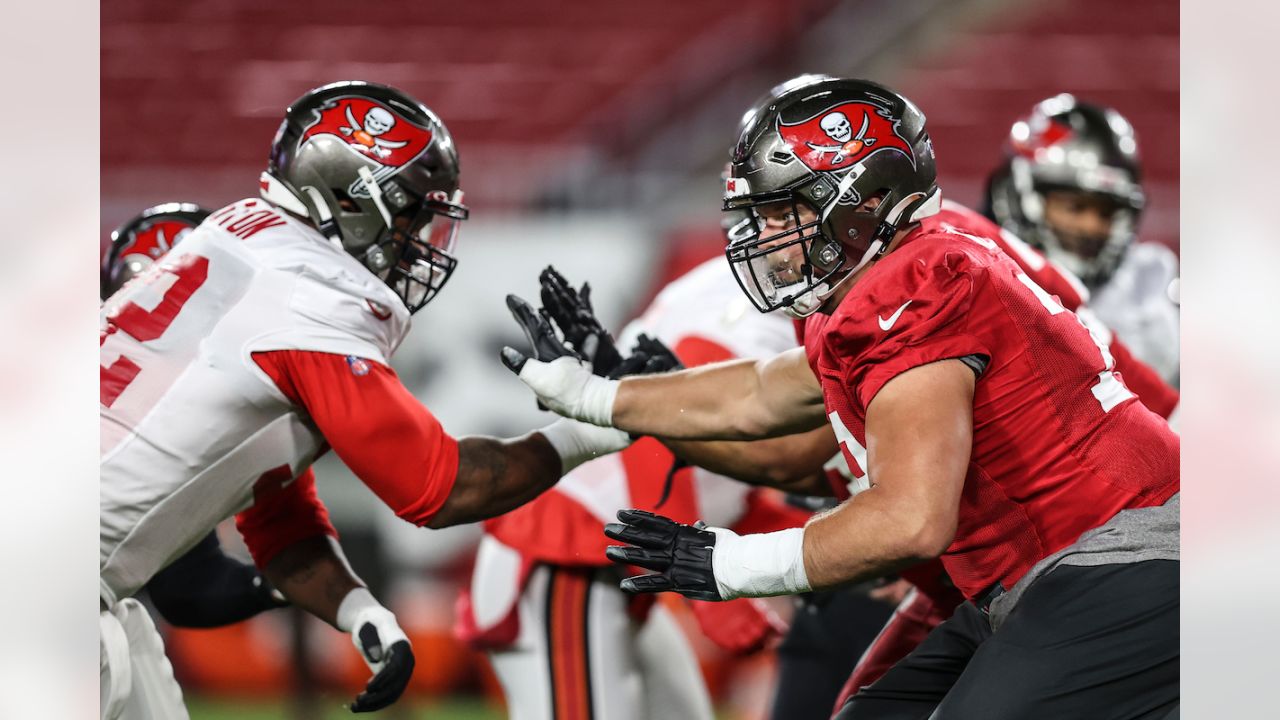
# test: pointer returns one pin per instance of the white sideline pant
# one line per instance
(136, 679)
(580, 655)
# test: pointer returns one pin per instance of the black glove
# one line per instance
(572, 312)
(649, 355)
(546, 345)
(389, 683)
(681, 554)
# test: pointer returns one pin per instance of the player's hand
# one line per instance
(538, 330)
(680, 554)
(566, 385)
(385, 649)
(648, 356)
(572, 312)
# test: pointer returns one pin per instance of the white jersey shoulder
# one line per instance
(707, 303)
(1136, 303)
(189, 422)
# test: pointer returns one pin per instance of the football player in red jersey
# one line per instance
(984, 423)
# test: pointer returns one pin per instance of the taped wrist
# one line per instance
(353, 606)
(596, 403)
(576, 442)
(759, 565)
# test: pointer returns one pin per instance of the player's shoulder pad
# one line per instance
(921, 288)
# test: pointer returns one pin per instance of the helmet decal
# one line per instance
(371, 129)
(156, 238)
(1035, 134)
(840, 136)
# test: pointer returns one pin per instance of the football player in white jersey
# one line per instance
(1072, 187)
(205, 587)
(262, 341)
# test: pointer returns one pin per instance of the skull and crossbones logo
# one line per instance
(837, 127)
(365, 136)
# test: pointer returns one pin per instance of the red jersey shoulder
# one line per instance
(922, 288)
(1071, 292)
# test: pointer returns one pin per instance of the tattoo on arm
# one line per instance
(495, 476)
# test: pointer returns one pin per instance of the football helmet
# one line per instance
(142, 240)
(807, 158)
(376, 172)
(1065, 144)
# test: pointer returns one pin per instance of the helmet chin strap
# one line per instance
(324, 221)
(375, 193)
(929, 207)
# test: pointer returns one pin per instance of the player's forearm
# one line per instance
(314, 575)
(711, 402)
(793, 463)
(495, 476)
(872, 535)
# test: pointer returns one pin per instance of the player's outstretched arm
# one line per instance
(919, 437)
(496, 475)
(401, 452)
(793, 463)
(732, 400)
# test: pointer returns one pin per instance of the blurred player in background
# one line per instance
(1071, 186)
(984, 423)
(205, 587)
(260, 342)
(544, 600)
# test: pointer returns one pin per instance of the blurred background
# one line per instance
(591, 136)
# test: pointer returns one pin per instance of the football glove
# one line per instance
(384, 648)
(572, 312)
(680, 554)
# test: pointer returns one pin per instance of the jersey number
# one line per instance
(143, 325)
(1109, 391)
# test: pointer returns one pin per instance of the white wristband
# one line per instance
(576, 442)
(597, 400)
(759, 565)
(351, 607)
(567, 386)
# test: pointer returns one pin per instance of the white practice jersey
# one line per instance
(189, 423)
(1135, 303)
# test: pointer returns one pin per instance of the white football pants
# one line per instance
(580, 656)
(136, 679)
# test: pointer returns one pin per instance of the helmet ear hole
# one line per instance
(345, 202)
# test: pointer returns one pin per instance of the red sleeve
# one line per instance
(915, 312)
(1144, 381)
(694, 351)
(283, 513)
(387, 438)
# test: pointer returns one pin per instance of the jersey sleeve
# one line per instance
(915, 313)
(282, 514)
(388, 439)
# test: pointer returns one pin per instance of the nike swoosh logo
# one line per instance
(886, 324)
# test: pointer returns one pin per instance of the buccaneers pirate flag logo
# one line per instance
(372, 129)
(838, 137)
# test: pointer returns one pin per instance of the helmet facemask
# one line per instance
(799, 266)
(414, 253)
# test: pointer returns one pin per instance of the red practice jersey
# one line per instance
(1060, 443)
